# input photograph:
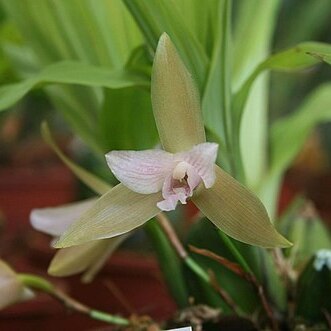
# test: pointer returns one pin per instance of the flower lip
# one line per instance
(176, 175)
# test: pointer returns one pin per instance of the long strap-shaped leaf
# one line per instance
(70, 72)
(156, 17)
(93, 182)
(298, 125)
(255, 20)
(299, 57)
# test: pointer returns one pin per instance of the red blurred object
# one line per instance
(25, 188)
(316, 188)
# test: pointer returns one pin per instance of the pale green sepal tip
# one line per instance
(175, 100)
(238, 212)
(118, 211)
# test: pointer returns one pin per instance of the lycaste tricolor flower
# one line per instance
(156, 180)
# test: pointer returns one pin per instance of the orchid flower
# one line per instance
(89, 257)
(176, 174)
(12, 289)
(156, 180)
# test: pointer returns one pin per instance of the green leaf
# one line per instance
(299, 57)
(321, 56)
(70, 73)
(155, 18)
(298, 125)
(175, 100)
(201, 18)
(310, 20)
(101, 34)
(254, 26)
(217, 93)
(98, 33)
(296, 58)
(118, 211)
(92, 181)
(126, 120)
(238, 212)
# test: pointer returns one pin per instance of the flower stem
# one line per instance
(192, 264)
(40, 284)
(233, 249)
(36, 283)
(105, 317)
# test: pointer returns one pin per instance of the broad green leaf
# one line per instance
(321, 56)
(155, 18)
(126, 120)
(92, 181)
(216, 96)
(175, 100)
(98, 33)
(254, 26)
(311, 19)
(89, 257)
(299, 57)
(74, 104)
(102, 34)
(201, 18)
(297, 126)
(70, 73)
(238, 212)
(118, 211)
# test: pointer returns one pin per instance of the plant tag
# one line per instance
(187, 328)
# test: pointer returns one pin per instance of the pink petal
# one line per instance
(167, 189)
(169, 203)
(202, 157)
(193, 179)
(56, 220)
(143, 171)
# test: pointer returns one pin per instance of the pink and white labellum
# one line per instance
(176, 175)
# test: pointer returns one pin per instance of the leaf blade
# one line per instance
(70, 72)
(154, 18)
(303, 55)
(315, 109)
(89, 179)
